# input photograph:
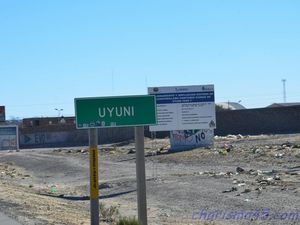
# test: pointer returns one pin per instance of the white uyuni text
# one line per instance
(117, 111)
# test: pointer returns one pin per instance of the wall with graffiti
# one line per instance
(41, 138)
(190, 139)
(9, 138)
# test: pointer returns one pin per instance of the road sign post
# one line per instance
(140, 174)
(94, 177)
(124, 111)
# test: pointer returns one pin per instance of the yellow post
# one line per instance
(94, 177)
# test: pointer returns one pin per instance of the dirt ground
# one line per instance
(240, 180)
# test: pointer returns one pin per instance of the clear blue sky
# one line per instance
(52, 51)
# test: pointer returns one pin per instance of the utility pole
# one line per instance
(58, 111)
(284, 90)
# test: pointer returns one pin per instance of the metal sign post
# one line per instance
(140, 174)
(94, 177)
(122, 111)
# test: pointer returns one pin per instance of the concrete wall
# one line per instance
(251, 121)
(64, 136)
(259, 121)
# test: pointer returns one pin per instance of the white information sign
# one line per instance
(184, 107)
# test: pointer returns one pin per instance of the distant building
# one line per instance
(230, 105)
(284, 104)
(2, 113)
(48, 121)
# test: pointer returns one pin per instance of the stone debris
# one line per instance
(8, 170)
(294, 171)
(214, 174)
(231, 137)
(131, 151)
(223, 152)
(105, 185)
(230, 190)
(276, 177)
(228, 147)
(240, 170)
(279, 155)
(247, 190)
(257, 151)
(83, 150)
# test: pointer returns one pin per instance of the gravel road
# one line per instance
(240, 180)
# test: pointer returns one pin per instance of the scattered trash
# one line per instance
(265, 180)
(83, 151)
(230, 190)
(131, 151)
(240, 170)
(257, 151)
(164, 214)
(276, 177)
(223, 152)
(296, 146)
(239, 136)
(214, 174)
(230, 136)
(105, 185)
(286, 144)
(228, 147)
(294, 170)
(247, 190)
(259, 190)
(279, 155)
(198, 173)
(265, 172)
(253, 172)
(53, 189)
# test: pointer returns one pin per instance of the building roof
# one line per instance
(284, 104)
(230, 105)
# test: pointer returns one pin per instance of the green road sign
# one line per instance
(121, 111)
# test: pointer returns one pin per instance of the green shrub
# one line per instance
(128, 221)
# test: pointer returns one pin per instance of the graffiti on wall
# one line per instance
(190, 139)
(43, 138)
(8, 138)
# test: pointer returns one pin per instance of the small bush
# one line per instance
(128, 221)
(109, 214)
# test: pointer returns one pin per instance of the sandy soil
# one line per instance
(255, 176)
